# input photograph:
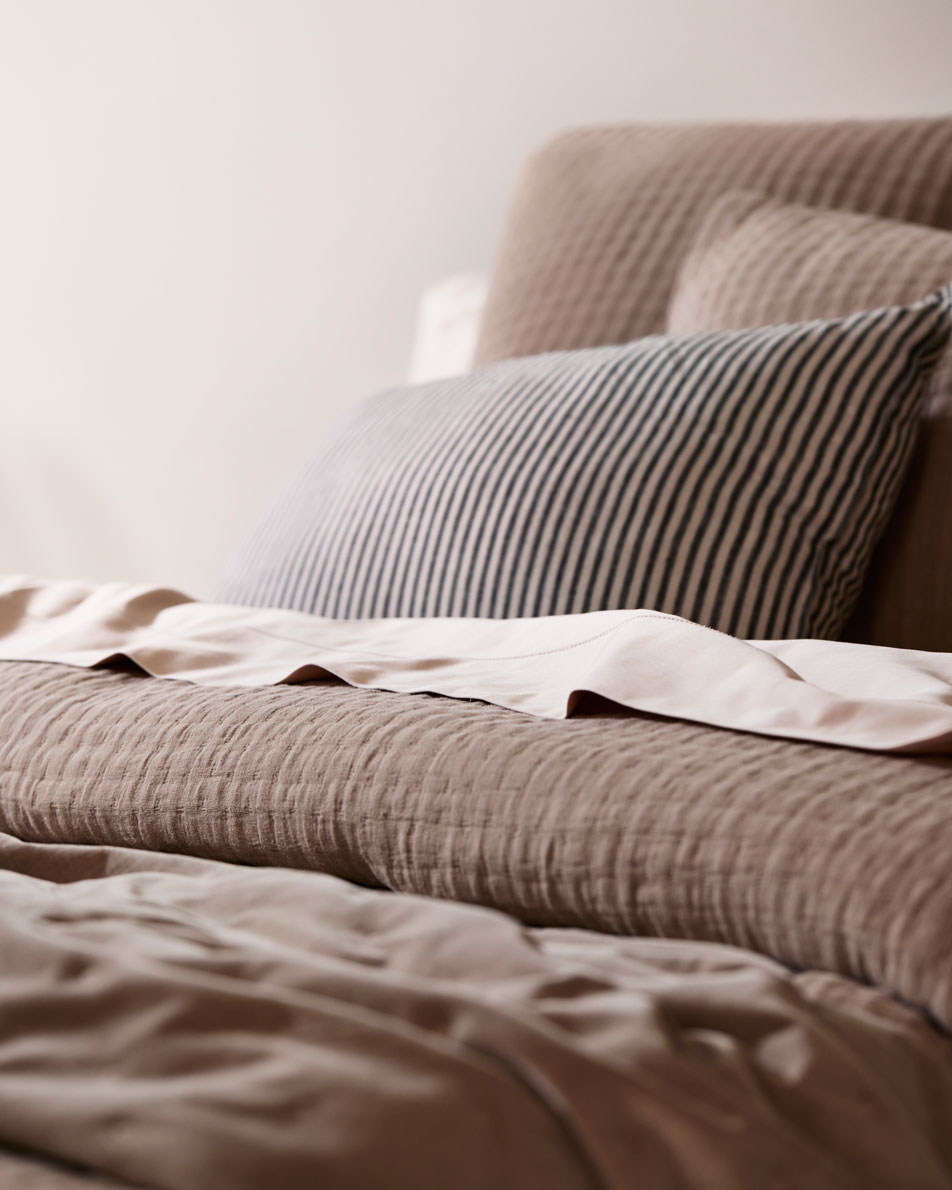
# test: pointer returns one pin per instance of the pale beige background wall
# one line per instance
(216, 215)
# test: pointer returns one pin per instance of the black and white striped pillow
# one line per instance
(739, 479)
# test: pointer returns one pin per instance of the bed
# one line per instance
(324, 933)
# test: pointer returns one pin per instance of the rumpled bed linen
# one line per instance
(692, 957)
(190, 1025)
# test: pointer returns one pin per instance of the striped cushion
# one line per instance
(757, 260)
(736, 478)
(602, 217)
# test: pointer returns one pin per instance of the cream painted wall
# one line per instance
(216, 215)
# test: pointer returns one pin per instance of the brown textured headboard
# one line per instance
(603, 216)
(598, 229)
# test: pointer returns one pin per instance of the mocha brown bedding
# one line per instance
(289, 1029)
(21, 1172)
(819, 857)
(198, 1026)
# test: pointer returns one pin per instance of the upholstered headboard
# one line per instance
(598, 229)
(603, 216)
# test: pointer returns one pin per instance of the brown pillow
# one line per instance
(758, 261)
(604, 216)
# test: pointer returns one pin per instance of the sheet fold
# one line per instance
(859, 696)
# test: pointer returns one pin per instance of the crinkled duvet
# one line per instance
(691, 957)
(184, 1024)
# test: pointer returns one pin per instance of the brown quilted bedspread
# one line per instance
(822, 858)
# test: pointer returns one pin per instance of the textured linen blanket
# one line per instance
(856, 695)
(692, 959)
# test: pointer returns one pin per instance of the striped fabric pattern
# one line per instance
(737, 478)
(757, 260)
(602, 217)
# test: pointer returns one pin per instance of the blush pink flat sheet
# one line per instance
(859, 696)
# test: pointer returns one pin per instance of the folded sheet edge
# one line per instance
(859, 696)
